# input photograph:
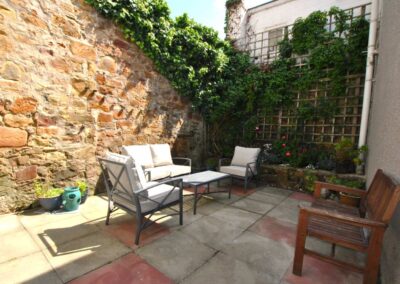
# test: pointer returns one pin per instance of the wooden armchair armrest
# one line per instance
(187, 161)
(352, 220)
(335, 187)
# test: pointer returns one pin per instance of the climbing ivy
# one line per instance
(223, 83)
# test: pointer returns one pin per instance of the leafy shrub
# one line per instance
(46, 191)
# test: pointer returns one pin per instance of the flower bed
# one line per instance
(299, 179)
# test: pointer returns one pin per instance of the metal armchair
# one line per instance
(125, 191)
(244, 164)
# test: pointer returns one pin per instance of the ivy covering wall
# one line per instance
(221, 82)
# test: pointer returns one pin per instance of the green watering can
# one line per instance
(71, 198)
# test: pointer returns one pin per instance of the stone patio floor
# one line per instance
(246, 239)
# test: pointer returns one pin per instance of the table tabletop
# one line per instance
(203, 177)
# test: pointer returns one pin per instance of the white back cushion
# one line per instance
(161, 154)
(243, 156)
(140, 153)
(114, 171)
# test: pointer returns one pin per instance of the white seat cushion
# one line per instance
(157, 194)
(243, 156)
(168, 171)
(234, 170)
(141, 154)
(161, 154)
(178, 170)
(158, 173)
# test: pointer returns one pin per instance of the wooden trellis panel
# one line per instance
(345, 124)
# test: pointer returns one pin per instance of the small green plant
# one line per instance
(309, 180)
(46, 191)
(82, 186)
(358, 160)
(346, 182)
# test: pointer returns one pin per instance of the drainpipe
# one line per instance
(369, 72)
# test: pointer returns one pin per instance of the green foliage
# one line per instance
(347, 182)
(309, 179)
(46, 191)
(222, 83)
(82, 185)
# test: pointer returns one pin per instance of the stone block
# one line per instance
(33, 19)
(24, 105)
(107, 63)
(17, 120)
(68, 26)
(50, 130)
(83, 50)
(12, 137)
(5, 45)
(11, 71)
(23, 160)
(27, 173)
(61, 64)
(105, 117)
(45, 120)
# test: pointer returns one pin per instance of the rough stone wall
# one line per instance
(72, 88)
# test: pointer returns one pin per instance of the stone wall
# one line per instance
(72, 88)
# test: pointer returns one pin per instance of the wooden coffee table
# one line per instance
(204, 178)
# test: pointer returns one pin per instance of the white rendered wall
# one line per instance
(284, 12)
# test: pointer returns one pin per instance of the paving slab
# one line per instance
(55, 234)
(16, 245)
(223, 197)
(39, 217)
(238, 217)
(32, 269)
(213, 232)
(209, 208)
(215, 271)
(265, 197)
(275, 229)
(172, 222)
(316, 271)
(276, 191)
(263, 254)
(125, 232)
(285, 213)
(82, 255)
(176, 255)
(9, 224)
(253, 205)
(128, 269)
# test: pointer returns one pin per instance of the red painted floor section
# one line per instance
(316, 271)
(240, 191)
(302, 196)
(276, 230)
(125, 232)
(128, 269)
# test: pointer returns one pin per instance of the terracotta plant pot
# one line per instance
(349, 200)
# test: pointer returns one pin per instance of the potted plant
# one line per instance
(83, 188)
(347, 198)
(50, 198)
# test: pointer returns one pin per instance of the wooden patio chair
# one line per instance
(360, 229)
(128, 190)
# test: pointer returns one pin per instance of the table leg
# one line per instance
(230, 188)
(195, 200)
(208, 187)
